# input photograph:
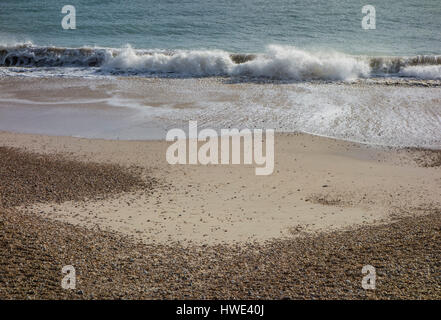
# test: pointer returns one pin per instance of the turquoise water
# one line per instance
(284, 40)
(308, 47)
(403, 27)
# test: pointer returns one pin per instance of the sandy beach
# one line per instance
(220, 150)
(195, 231)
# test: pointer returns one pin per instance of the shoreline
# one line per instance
(142, 108)
(223, 151)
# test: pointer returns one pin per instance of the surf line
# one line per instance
(213, 152)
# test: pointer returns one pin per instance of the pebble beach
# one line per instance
(220, 150)
(111, 265)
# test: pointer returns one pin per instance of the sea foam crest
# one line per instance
(279, 62)
(199, 63)
(422, 72)
(283, 62)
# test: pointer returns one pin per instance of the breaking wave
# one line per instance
(278, 63)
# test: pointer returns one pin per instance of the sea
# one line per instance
(360, 70)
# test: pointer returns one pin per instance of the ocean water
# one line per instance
(278, 39)
(305, 65)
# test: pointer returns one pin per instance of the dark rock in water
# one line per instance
(242, 58)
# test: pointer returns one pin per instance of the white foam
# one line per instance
(283, 62)
(422, 72)
(279, 62)
(276, 63)
(6, 41)
(201, 63)
(383, 115)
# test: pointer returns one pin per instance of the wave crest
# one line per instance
(278, 62)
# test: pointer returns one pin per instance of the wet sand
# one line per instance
(378, 112)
